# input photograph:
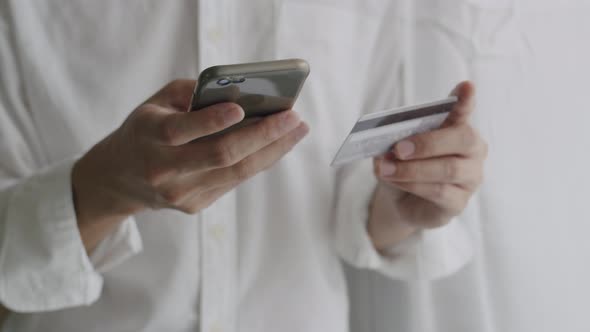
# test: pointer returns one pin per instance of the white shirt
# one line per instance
(265, 257)
(531, 219)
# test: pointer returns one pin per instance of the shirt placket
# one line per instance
(217, 223)
(215, 24)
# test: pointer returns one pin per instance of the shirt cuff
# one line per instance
(120, 245)
(43, 262)
(427, 254)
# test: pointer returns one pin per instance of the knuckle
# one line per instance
(222, 155)
(269, 130)
(173, 196)
(208, 200)
(243, 171)
(174, 85)
(168, 132)
(214, 121)
(441, 192)
(141, 118)
(202, 201)
(155, 174)
(145, 109)
(190, 209)
(452, 169)
(405, 171)
(421, 144)
(469, 137)
(139, 113)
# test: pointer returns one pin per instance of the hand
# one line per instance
(163, 157)
(427, 179)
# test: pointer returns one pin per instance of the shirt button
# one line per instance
(214, 35)
(217, 231)
(216, 328)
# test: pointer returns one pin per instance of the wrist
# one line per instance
(386, 226)
(95, 193)
(99, 209)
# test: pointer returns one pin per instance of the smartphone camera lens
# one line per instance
(223, 82)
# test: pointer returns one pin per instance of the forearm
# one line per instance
(98, 213)
(386, 226)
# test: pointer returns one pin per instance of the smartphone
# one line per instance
(260, 88)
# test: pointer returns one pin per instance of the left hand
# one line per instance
(432, 176)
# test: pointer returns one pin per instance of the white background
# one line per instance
(531, 220)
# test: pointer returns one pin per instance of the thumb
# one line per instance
(176, 94)
(465, 92)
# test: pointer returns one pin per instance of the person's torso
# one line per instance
(263, 253)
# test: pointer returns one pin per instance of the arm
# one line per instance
(51, 219)
(398, 233)
(386, 226)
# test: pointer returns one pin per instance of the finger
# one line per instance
(176, 94)
(376, 165)
(448, 197)
(258, 161)
(186, 186)
(173, 128)
(232, 147)
(451, 170)
(465, 92)
(463, 140)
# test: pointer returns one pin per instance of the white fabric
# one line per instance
(265, 257)
(61, 269)
(531, 219)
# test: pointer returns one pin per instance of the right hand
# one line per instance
(153, 161)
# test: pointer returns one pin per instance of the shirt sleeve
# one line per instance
(428, 254)
(43, 262)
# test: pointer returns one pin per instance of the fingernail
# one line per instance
(387, 168)
(405, 149)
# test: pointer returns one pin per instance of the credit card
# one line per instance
(375, 134)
